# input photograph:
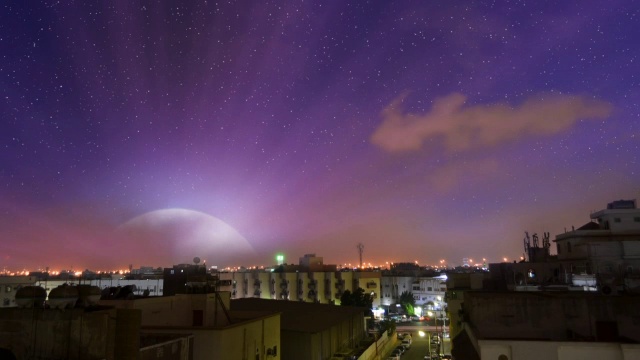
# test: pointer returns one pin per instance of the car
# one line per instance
(401, 349)
(394, 357)
(397, 353)
(406, 343)
(415, 318)
(446, 357)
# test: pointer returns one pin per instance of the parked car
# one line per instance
(397, 353)
(394, 357)
(406, 343)
(401, 349)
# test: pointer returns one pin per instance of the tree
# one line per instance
(408, 302)
(387, 325)
(357, 298)
(347, 298)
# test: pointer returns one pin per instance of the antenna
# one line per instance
(545, 240)
(360, 251)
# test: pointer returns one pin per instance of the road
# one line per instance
(421, 345)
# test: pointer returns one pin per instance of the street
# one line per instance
(421, 346)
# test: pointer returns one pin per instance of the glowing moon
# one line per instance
(180, 234)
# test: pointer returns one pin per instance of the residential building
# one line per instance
(580, 304)
(607, 247)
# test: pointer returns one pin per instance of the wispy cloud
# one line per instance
(461, 127)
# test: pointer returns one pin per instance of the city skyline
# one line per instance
(155, 132)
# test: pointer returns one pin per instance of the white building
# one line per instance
(607, 247)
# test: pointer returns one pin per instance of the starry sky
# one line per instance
(150, 132)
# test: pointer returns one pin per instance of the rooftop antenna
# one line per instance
(360, 250)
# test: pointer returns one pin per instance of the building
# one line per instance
(94, 333)
(608, 247)
(310, 281)
(580, 304)
(218, 332)
(522, 325)
(312, 331)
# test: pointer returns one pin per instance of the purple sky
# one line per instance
(147, 133)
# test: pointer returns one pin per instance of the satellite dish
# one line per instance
(196, 260)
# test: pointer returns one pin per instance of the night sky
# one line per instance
(147, 133)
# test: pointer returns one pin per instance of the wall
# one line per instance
(246, 340)
(562, 316)
(384, 345)
(549, 350)
(70, 334)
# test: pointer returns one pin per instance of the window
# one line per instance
(636, 219)
(198, 317)
(568, 247)
(616, 220)
(8, 289)
(429, 288)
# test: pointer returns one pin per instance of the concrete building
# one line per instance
(607, 247)
(428, 291)
(457, 285)
(218, 332)
(95, 333)
(550, 325)
(313, 331)
(310, 281)
(580, 304)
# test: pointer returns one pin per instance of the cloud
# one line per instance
(462, 128)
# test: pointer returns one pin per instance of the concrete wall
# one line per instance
(554, 316)
(549, 350)
(70, 334)
(381, 347)
(167, 348)
(246, 340)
